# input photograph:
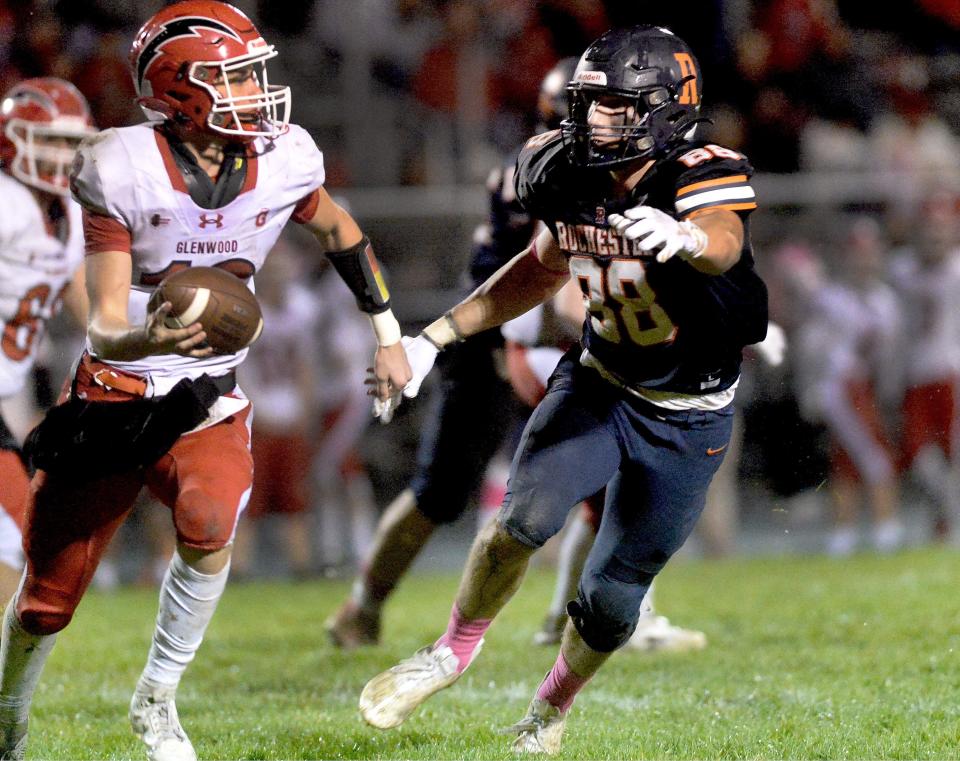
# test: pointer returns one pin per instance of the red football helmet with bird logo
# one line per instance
(202, 64)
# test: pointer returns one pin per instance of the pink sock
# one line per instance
(561, 685)
(463, 635)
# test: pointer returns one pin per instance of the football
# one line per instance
(219, 301)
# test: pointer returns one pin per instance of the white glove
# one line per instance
(653, 229)
(772, 348)
(421, 354)
(384, 410)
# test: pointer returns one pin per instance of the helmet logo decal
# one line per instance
(689, 95)
(182, 27)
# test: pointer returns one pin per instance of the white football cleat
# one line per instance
(540, 731)
(657, 634)
(390, 697)
(153, 716)
(842, 542)
(887, 535)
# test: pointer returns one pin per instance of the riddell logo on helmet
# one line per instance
(591, 78)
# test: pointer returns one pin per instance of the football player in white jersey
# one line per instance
(210, 180)
(847, 346)
(42, 121)
(928, 281)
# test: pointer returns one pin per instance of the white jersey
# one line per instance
(130, 175)
(526, 330)
(850, 336)
(35, 266)
(345, 344)
(272, 374)
(930, 296)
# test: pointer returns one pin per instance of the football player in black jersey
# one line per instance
(653, 226)
(470, 413)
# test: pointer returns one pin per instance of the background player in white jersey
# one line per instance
(347, 510)
(928, 280)
(211, 180)
(42, 121)
(279, 378)
(847, 349)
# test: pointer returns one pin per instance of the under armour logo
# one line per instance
(211, 219)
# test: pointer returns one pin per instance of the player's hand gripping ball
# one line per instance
(219, 301)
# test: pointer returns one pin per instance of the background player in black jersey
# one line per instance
(653, 226)
(471, 397)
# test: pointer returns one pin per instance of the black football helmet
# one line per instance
(552, 105)
(651, 70)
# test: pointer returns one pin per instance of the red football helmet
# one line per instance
(42, 121)
(202, 63)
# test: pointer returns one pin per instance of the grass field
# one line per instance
(808, 658)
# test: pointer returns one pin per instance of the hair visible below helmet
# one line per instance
(42, 121)
(552, 102)
(656, 73)
(185, 50)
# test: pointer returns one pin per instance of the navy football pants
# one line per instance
(656, 464)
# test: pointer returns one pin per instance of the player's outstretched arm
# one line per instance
(352, 256)
(530, 278)
(111, 335)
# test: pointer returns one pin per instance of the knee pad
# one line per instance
(203, 522)
(606, 610)
(38, 615)
(601, 633)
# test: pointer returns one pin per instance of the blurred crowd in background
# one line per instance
(850, 113)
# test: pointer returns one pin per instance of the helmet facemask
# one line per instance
(650, 122)
(265, 113)
(45, 151)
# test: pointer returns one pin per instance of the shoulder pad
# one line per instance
(95, 169)
(702, 157)
(707, 175)
(18, 212)
(306, 159)
(542, 161)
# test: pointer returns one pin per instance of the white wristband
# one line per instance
(386, 327)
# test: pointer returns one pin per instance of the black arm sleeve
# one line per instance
(360, 271)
